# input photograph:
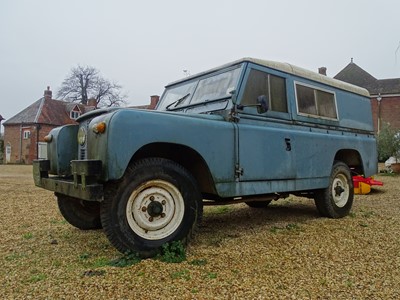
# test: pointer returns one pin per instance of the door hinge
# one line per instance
(238, 171)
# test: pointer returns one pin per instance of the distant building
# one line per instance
(24, 133)
(385, 94)
(153, 103)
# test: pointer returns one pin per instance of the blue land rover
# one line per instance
(249, 131)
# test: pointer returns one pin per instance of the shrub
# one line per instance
(388, 143)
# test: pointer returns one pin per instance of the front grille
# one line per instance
(82, 153)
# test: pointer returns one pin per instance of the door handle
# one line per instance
(288, 144)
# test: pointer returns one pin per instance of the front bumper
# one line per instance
(83, 184)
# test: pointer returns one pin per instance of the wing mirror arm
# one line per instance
(262, 104)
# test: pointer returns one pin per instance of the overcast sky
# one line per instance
(143, 45)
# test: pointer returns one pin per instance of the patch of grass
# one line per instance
(390, 174)
(129, 259)
(218, 210)
(84, 256)
(349, 283)
(27, 236)
(15, 256)
(198, 262)
(211, 275)
(100, 262)
(324, 282)
(37, 277)
(367, 214)
(173, 252)
(292, 226)
(56, 263)
(184, 274)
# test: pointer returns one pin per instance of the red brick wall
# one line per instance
(389, 111)
(13, 134)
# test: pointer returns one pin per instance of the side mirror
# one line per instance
(263, 105)
(233, 94)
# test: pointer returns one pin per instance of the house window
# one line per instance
(27, 134)
(315, 102)
(74, 114)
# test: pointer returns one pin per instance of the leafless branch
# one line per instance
(84, 83)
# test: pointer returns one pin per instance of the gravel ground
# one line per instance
(283, 252)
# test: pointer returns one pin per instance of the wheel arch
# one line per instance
(352, 159)
(187, 157)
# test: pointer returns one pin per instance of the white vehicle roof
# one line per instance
(290, 69)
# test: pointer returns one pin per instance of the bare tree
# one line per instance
(84, 83)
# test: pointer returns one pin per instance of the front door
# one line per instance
(266, 148)
(265, 152)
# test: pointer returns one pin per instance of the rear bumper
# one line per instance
(82, 184)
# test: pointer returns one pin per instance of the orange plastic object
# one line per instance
(362, 185)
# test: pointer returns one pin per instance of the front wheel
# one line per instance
(157, 202)
(336, 200)
(82, 214)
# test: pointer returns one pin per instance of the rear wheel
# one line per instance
(337, 199)
(157, 202)
(80, 213)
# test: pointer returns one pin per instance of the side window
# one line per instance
(313, 101)
(261, 83)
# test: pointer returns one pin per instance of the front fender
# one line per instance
(210, 136)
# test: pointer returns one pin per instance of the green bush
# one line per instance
(388, 143)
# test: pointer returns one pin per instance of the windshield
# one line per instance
(200, 90)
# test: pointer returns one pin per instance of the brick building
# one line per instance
(385, 94)
(24, 133)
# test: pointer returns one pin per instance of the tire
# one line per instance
(258, 204)
(82, 214)
(156, 202)
(337, 199)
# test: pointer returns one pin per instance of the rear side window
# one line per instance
(315, 102)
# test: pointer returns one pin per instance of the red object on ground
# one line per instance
(369, 180)
(362, 185)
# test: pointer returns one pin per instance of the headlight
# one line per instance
(82, 136)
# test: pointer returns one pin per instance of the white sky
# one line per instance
(143, 45)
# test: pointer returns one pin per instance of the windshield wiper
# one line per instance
(177, 102)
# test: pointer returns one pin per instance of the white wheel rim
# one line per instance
(340, 190)
(155, 209)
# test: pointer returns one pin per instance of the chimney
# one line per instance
(92, 102)
(153, 101)
(322, 71)
(48, 95)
